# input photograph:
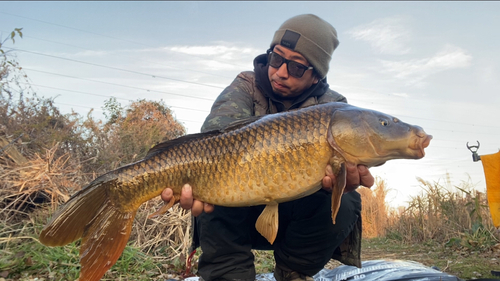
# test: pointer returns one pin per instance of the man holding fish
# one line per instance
(291, 75)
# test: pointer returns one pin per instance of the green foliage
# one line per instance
(22, 255)
(112, 110)
(11, 73)
(264, 261)
(12, 35)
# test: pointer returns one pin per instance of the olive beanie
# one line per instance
(310, 36)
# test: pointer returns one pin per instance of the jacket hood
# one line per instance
(262, 80)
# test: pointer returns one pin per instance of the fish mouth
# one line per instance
(421, 141)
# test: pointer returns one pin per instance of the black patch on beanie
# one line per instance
(290, 39)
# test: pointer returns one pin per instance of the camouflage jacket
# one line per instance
(250, 96)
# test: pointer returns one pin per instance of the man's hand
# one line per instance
(356, 176)
(187, 201)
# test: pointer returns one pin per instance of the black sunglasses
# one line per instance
(294, 68)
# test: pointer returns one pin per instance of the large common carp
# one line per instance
(266, 160)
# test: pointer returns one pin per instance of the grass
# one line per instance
(459, 261)
(23, 257)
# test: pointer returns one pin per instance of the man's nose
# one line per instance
(282, 71)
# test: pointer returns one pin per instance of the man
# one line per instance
(291, 75)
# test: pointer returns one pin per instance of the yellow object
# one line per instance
(491, 165)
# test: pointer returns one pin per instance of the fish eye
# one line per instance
(384, 122)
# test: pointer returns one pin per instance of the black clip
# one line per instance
(475, 156)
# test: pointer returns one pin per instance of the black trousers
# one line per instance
(305, 242)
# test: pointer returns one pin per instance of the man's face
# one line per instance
(285, 85)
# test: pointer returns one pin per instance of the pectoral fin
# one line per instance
(267, 223)
(338, 190)
(164, 208)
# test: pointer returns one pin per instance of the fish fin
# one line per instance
(240, 123)
(230, 127)
(104, 228)
(103, 241)
(267, 223)
(163, 208)
(69, 222)
(338, 190)
(158, 148)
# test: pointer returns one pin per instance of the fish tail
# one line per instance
(104, 229)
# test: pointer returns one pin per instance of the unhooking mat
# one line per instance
(379, 270)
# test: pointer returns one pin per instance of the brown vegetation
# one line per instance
(43, 161)
(458, 218)
(374, 209)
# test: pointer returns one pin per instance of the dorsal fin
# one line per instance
(230, 127)
(167, 144)
(240, 123)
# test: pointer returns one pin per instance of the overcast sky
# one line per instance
(432, 64)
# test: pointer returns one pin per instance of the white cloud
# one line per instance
(211, 50)
(415, 70)
(219, 56)
(386, 36)
(403, 95)
(91, 53)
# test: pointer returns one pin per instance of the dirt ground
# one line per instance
(463, 263)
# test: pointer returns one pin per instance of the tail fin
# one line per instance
(104, 229)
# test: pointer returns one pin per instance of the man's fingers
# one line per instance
(327, 183)
(167, 194)
(329, 171)
(353, 179)
(186, 201)
(208, 208)
(329, 179)
(365, 177)
(197, 208)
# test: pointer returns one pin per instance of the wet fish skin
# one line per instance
(274, 159)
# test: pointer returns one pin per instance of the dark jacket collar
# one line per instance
(262, 81)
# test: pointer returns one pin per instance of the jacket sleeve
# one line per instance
(235, 102)
(330, 96)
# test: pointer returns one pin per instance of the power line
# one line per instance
(413, 117)
(106, 96)
(97, 109)
(73, 28)
(116, 68)
(115, 84)
(128, 57)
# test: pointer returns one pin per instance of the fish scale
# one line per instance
(264, 153)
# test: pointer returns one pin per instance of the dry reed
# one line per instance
(374, 209)
(37, 179)
(441, 215)
(52, 179)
